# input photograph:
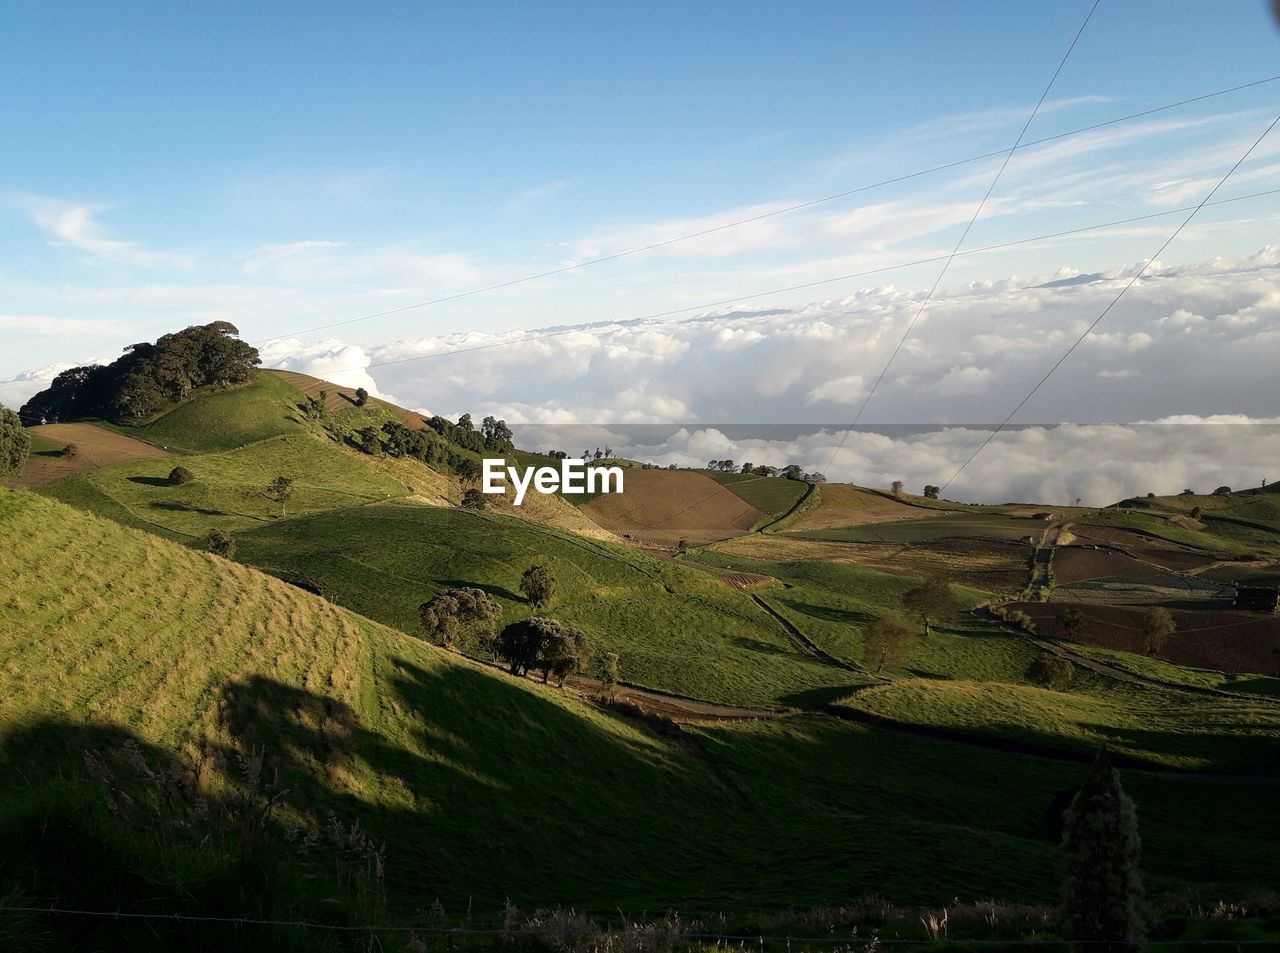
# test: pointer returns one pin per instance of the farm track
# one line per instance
(803, 640)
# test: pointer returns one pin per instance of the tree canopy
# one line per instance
(15, 444)
(446, 611)
(544, 645)
(137, 385)
(930, 602)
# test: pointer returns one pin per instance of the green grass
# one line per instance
(1153, 725)
(675, 629)
(41, 444)
(771, 495)
(228, 491)
(223, 418)
(485, 788)
(1174, 674)
(833, 603)
(1161, 528)
(979, 525)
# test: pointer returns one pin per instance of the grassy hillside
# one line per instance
(771, 495)
(486, 788)
(223, 418)
(974, 525)
(1165, 727)
(675, 629)
(228, 489)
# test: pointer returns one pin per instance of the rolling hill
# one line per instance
(481, 786)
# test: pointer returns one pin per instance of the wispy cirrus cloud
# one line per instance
(76, 225)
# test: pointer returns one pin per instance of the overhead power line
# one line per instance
(942, 272)
(706, 305)
(763, 215)
(1107, 310)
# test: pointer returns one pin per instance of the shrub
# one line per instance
(362, 397)
(1050, 671)
(15, 444)
(179, 476)
(221, 543)
(71, 451)
(473, 499)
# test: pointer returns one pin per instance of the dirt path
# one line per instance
(1044, 557)
(807, 644)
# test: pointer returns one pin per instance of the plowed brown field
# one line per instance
(660, 507)
(95, 447)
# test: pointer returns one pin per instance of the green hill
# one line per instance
(483, 788)
(675, 628)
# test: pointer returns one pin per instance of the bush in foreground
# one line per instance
(1050, 671)
(180, 475)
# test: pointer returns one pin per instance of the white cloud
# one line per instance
(75, 225)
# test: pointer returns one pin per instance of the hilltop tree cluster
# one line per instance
(494, 436)
(137, 385)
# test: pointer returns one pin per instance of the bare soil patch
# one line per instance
(1219, 640)
(660, 507)
(95, 447)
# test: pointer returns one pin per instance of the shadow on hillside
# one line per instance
(121, 838)
(150, 481)
(501, 592)
(175, 507)
(829, 613)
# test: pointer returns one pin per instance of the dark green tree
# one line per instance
(1102, 894)
(930, 602)
(1050, 671)
(180, 475)
(15, 443)
(473, 499)
(1074, 624)
(607, 673)
(885, 642)
(362, 397)
(538, 585)
(446, 611)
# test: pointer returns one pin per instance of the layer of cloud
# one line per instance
(76, 225)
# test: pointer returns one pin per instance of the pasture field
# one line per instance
(841, 504)
(1225, 641)
(228, 491)
(833, 603)
(1185, 533)
(1146, 548)
(1151, 725)
(223, 418)
(661, 507)
(483, 787)
(341, 399)
(981, 525)
(1162, 671)
(771, 495)
(989, 565)
(674, 628)
(95, 447)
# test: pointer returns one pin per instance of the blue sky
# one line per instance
(288, 165)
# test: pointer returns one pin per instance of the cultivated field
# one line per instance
(991, 565)
(1242, 642)
(661, 507)
(980, 525)
(771, 495)
(95, 447)
(841, 504)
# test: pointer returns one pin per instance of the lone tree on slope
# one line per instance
(362, 397)
(1157, 626)
(1102, 894)
(280, 490)
(897, 488)
(538, 585)
(930, 602)
(886, 641)
(473, 499)
(1074, 624)
(443, 613)
(221, 543)
(15, 444)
